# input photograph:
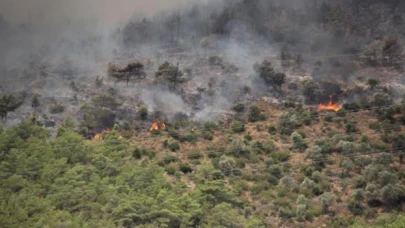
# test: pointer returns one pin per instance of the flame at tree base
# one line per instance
(330, 106)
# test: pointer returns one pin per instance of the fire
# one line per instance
(98, 137)
(158, 125)
(155, 126)
(330, 106)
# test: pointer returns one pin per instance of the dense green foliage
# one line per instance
(70, 182)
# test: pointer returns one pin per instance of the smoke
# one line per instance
(159, 99)
(77, 38)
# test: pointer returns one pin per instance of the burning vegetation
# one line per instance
(330, 106)
(158, 125)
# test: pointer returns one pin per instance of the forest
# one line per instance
(231, 113)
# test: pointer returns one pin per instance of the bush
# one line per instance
(360, 182)
(174, 147)
(170, 159)
(189, 137)
(56, 109)
(272, 180)
(248, 137)
(356, 208)
(328, 118)
(298, 141)
(346, 147)
(288, 122)
(275, 170)
(259, 187)
(272, 130)
(194, 155)
(185, 168)
(143, 112)
(238, 127)
(239, 108)
(254, 113)
(285, 213)
(208, 136)
(281, 156)
(351, 127)
(171, 169)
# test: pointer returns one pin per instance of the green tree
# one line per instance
(393, 195)
(269, 75)
(326, 201)
(298, 141)
(169, 73)
(311, 90)
(224, 215)
(132, 70)
(254, 113)
(9, 103)
(372, 83)
(398, 145)
(35, 102)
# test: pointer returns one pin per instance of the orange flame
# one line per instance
(98, 137)
(155, 126)
(330, 106)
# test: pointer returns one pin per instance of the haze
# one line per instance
(108, 12)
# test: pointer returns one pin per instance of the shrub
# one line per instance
(238, 127)
(194, 155)
(227, 165)
(272, 130)
(259, 187)
(384, 159)
(248, 137)
(351, 127)
(288, 122)
(281, 156)
(171, 169)
(288, 182)
(272, 180)
(346, 147)
(185, 168)
(326, 201)
(328, 118)
(285, 213)
(239, 108)
(189, 137)
(275, 170)
(174, 146)
(316, 176)
(56, 109)
(298, 141)
(372, 82)
(254, 113)
(170, 159)
(360, 182)
(393, 195)
(385, 178)
(381, 99)
(208, 136)
(137, 153)
(356, 208)
(143, 112)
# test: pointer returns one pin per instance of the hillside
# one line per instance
(218, 114)
(333, 169)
